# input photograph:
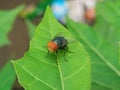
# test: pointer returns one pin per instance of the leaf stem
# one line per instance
(60, 72)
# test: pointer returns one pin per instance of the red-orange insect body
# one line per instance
(52, 46)
(58, 43)
(90, 14)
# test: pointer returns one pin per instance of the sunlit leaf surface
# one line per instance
(35, 72)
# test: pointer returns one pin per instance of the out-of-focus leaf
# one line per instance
(108, 22)
(104, 56)
(6, 21)
(7, 77)
(99, 87)
(31, 27)
(103, 40)
(119, 52)
(40, 9)
(36, 72)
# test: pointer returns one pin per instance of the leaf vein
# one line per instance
(38, 79)
(42, 61)
(74, 73)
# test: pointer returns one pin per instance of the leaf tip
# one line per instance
(48, 11)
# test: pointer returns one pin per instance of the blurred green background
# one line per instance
(18, 36)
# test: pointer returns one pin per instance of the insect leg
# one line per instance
(66, 50)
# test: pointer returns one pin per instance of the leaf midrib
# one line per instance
(59, 67)
(60, 72)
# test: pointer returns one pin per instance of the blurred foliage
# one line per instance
(7, 77)
(101, 41)
(31, 27)
(6, 22)
(7, 73)
(34, 11)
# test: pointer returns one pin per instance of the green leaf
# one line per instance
(119, 52)
(104, 55)
(108, 26)
(108, 22)
(99, 87)
(7, 77)
(105, 67)
(35, 72)
(31, 27)
(6, 22)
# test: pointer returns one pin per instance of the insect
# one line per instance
(58, 43)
